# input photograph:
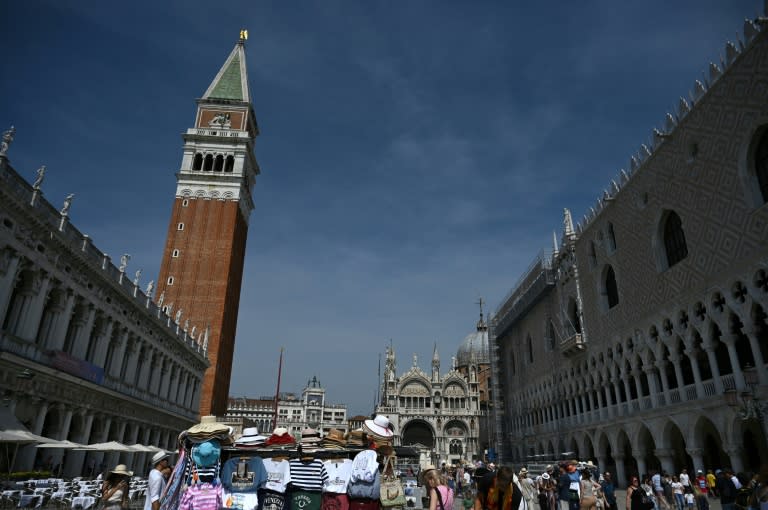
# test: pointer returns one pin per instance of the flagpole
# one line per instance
(277, 393)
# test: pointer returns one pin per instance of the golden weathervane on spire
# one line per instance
(243, 35)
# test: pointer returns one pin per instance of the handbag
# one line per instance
(391, 490)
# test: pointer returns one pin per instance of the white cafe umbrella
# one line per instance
(110, 446)
(138, 447)
(66, 445)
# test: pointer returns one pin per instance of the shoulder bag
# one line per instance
(391, 491)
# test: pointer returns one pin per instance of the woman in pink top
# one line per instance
(440, 495)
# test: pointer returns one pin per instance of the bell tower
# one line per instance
(202, 267)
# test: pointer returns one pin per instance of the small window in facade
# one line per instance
(218, 166)
(611, 289)
(674, 239)
(761, 164)
(611, 237)
(197, 164)
(185, 202)
(170, 280)
(208, 165)
(175, 253)
(592, 254)
(230, 164)
(180, 226)
(529, 345)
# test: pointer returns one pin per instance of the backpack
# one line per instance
(743, 497)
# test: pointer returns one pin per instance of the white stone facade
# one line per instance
(85, 355)
(294, 413)
(438, 413)
(624, 345)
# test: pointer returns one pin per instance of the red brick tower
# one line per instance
(202, 266)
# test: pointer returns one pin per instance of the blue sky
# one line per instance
(415, 155)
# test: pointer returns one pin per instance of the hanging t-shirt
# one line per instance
(305, 500)
(240, 500)
(271, 500)
(202, 496)
(364, 466)
(339, 473)
(333, 501)
(308, 475)
(243, 475)
(361, 489)
(278, 474)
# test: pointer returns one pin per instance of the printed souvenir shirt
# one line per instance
(339, 473)
(278, 474)
(241, 479)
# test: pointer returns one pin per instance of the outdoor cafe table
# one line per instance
(83, 502)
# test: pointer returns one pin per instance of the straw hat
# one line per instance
(424, 471)
(122, 469)
(379, 426)
(209, 425)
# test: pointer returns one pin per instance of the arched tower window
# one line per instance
(208, 165)
(610, 288)
(551, 335)
(611, 237)
(573, 315)
(197, 164)
(219, 165)
(529, 348)
(592, 254)
(761, 163)
(675, 247)
(230, 164)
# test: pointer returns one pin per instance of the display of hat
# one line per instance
(545, 476)
(310, 436)
(122, 469)
(550, 467)
(209, 425)
(589, 463)
(206, 454)
(280, 436)
(334, 438)
(250, 437)
(523, 471)
(379, 426)
(157, 457)
(356, 438)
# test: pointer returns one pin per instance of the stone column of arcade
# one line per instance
(621, 473)
(697, 454)
(735, 453)
(75, 464)
(665, 456)
(641, 466)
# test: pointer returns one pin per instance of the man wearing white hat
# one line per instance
(156, 481)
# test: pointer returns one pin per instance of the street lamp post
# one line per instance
(746, 404)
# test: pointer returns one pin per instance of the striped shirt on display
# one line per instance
(309, 475)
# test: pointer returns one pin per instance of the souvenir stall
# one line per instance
(277, 472)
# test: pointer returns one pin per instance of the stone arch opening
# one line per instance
(646, 447)
(418, 432)
(673, 437)
(707, 437)
(721, 351)
(624, 448)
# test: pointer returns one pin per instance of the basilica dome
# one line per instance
(474, 348)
